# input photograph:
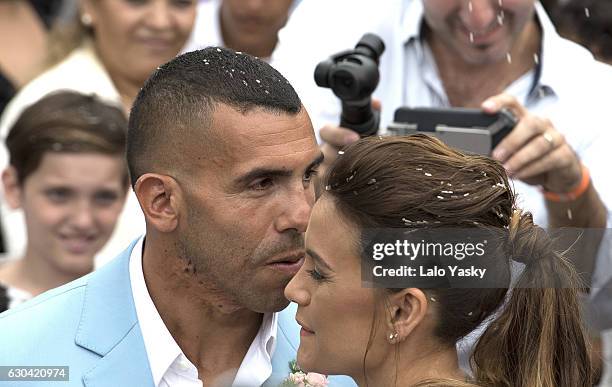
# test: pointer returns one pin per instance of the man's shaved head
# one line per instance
(174, 108)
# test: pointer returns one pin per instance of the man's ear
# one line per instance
(407, 309)
(12, 188)
(159, 196)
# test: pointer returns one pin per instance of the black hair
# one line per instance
(178, 99)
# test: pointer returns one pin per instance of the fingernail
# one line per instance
(351, 137)
(508, 170)
(489, 105)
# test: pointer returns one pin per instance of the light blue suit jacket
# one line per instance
(91, 326)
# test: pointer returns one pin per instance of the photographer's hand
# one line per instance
(536, 153)
(335, 138)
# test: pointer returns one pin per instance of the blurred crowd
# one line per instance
(71, 69)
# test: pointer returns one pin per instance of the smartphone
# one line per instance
(470, 130)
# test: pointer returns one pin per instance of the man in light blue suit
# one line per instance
(221, 155)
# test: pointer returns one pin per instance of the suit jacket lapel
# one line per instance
(109, 327)
(125, 365)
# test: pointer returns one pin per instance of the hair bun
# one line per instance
(527, 243)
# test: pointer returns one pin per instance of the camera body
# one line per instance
(353, 76)
(470, 130)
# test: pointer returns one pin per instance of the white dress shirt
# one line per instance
(169, 365)
(207, 27)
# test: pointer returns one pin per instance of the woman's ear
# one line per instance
(12, 188)
(407, 309)
(87, 12)
(159, 198)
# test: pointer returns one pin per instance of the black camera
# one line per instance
(470, 130)
(353, 76)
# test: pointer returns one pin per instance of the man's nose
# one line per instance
(479, 15)
(296, 210)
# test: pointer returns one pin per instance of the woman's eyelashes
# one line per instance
(317, 275)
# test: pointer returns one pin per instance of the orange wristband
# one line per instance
(573, 194)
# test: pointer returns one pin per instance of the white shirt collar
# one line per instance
(549, 77)
(161, 348)
(169, 365)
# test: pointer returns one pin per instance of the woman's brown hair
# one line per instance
(535, 337)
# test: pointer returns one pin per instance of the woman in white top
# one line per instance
(110, 52)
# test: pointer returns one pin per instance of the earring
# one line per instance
(393, 337)
(86, 19)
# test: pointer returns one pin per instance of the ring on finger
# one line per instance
(549, 138)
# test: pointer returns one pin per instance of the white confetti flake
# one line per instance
(500, 18)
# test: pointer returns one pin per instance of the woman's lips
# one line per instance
(305, 331)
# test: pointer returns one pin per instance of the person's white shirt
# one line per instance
(169, 365)
(207, 27)
(83, 72)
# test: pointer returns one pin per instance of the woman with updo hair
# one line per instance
(68, 175)
(407, 336)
